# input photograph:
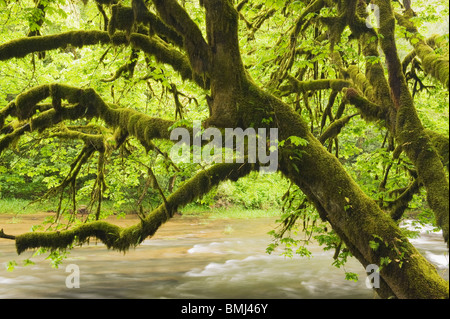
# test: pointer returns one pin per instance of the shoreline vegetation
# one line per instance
(22, 207)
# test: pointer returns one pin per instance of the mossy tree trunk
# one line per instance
(215, 63)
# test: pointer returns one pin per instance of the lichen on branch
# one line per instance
(82, 103)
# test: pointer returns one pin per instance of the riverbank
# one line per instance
(16, 206)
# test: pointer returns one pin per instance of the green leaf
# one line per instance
(298, 141)
(351, 276)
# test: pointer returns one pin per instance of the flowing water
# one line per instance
(194, 258)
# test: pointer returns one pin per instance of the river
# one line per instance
(192, 258)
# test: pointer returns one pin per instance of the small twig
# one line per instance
(3, 235)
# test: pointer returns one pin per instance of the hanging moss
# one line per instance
(369, 111)
(361, 81)
(441, 144)
(122, 239)
(26, 102)
(334, 129)
(314, 85)
(434, 64)
(21, 47)
(122, 18)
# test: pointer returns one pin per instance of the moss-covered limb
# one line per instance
(6, 236)
(409, 130)
(374, 69)
(408, 59)
(335, 128)
(340, 201)
(163, 30)
(5, 112)
(434, 64)
(130, 18)
(195, 45)
(398, 207)
(358, 220)
(21, 47)
(104, 15)
(397, 82)
(327, 112)
(336, 25)
(85, 104)
(97, 141)
(227, 72)
(12, 137)
(296, 86)
(122, 239)
(441, 145)
(369, 111)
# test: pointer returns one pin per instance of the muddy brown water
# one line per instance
(191, 257)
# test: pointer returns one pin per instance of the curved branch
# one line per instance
(369, 110)
(361, 81)
(151, 45)
(409, 129)
(84, 103)
(19, 48)
(122, 239)
(335, 128)
(434, 64)
(314, 85)
(196, 47)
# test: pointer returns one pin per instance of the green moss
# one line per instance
(361, 81)
(26, 102)
(122, 239)
(369, 110)
(44, 120)
(122, 18)
(164, 54)
(434, 64)
(21, 47)
(441, 144)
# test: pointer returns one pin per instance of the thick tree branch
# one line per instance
(434, 64)
(122, 239)
(313, 85)
(195, 45)
(369, 110)
(19, 48)
(151, 45)
(409, 130)
(82, 104)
